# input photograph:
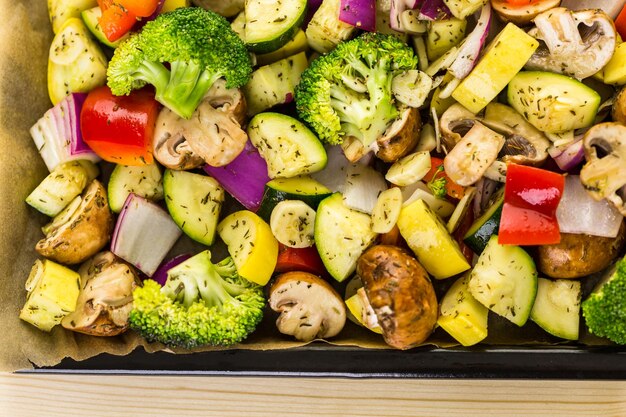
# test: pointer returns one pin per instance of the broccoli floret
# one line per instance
(348, 91)
(200, 304)
(437, 185)
(198, 45)
(605, 309)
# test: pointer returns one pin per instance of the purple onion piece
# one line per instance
(570, 157)
(473, 44)
(244, 178)
(160, 275)
(359, 13)
(434, 9)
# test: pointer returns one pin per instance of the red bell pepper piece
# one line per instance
(620, 23)
(531, 197)
(120, 128)
(299, 259)
(116, 20)
(437, 173)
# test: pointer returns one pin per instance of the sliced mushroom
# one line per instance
(309, 307)
(228, 100)
(524, 144)
(573, 43)
(226, 8)
(397, 141)
(619, 107)
(214, 135)
(466, 163)
(523, 14)
(82, 233)
(106, 297)
(170, 147)
(604, 174)
(401, 294)
(454, 123)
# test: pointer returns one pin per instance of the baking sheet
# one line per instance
(26, 38)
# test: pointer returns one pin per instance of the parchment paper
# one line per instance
(26, 36)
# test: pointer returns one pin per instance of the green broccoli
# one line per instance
(437, 185)
(348, 91)
(200, 304)
(200, 48)
(605, 309)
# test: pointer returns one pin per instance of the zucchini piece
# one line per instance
(194, 201)
(294, 46)
(487, 225)
(238, 25)
(325, 30)
(293, 224)
(76, 64)
(251, 244)
(61, 186)
(271, 24)
(52, 294)
(303, 188)
(461, 315)
(553, 103)
(461, 209)
(274, 84)
(387, 210)
(287, 145)
(91, 17)
(505, 281)
(341, 236)
(60, 11)
(145, 181)
(428, 238)
(557, 307)
(443, 35)
(419, 191)
(502, 60)
(411, 87)
(409, 169)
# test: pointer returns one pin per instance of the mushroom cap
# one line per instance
(85, 232)
(604, 174)
(454, 123)
(309, 307)
(401, 294)
(524, 14)
(106, 297)
(170, 147)
(577, 43)
(228, 100)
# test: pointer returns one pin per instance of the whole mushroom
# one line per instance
(575, 43)
(604, 174)
(106, 297)
(75, 236)
(401, 294)
(309, 307)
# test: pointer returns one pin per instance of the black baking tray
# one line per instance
(322, 360)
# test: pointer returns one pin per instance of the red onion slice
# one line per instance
(359, 13)
(434, 9)
(473, 44)
(160, 275)
(570, 157)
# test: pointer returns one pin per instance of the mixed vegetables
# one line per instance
(433, 160)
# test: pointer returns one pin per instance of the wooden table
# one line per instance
(130, 396)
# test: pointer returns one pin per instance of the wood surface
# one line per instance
(172, 396)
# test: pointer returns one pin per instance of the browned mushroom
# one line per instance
(523, 14)
(106, 297)
(75, 236)
(401, 294)
(309, 307)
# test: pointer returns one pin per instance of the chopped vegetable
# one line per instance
(359, 13)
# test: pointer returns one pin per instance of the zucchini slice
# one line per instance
(194, 202)
(144, 180)
(341, 236)
(303, 188)
(271, 24)
(288, 146)
(557, 307)
(293, 223)
(486, 225)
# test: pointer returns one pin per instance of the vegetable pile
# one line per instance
(405, 165)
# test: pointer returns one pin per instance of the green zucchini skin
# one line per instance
(269, 27)
(302, 188)
(485, 226)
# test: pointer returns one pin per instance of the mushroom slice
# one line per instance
(524, 143)
(523, 14)
(604, 174)
(401, 136)
(214, 135)
(170, 147)
(309, 307)
(466, 163)
(83, 233)
(106, 297)
(573, 43)
(401, 294)
(454, 123)
(228, 100)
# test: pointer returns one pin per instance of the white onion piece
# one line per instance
(144, 234)
(579, 213)
(397, 7)
(362, 187)
(472, 45)
(333, 176)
